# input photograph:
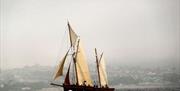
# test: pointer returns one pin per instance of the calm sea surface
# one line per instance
(149, 89)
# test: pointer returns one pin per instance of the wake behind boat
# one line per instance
(78, 68)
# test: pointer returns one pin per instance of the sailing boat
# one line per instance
(82, 80)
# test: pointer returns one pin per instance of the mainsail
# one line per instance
(83, 75)
(82, 67)
(102, 72)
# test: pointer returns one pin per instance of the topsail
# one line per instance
(73, 36)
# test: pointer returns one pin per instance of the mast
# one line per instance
(81, 70)
(97, 64)
(74, 58)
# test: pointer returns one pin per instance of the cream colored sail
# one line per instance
(61, 66)
(81, 63)
(102, 72)
(73, 36)
(82, 67)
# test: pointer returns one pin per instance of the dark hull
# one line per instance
(85, 88)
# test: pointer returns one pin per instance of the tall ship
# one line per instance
(78, 68)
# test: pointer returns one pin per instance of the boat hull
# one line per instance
(85, 88)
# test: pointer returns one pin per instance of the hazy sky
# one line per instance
(132, 31)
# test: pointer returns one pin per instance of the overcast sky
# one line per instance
(131, 31)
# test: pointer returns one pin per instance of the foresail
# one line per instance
(82, 67)
(73, 36)
(60, 67)
(102, 72)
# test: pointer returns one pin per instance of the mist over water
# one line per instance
(140, 40)
(33, 32)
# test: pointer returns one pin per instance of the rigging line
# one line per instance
(60, 51)
(61, 47)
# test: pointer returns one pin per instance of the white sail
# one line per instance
(61, 66)
(102, 72)
(82, 67)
